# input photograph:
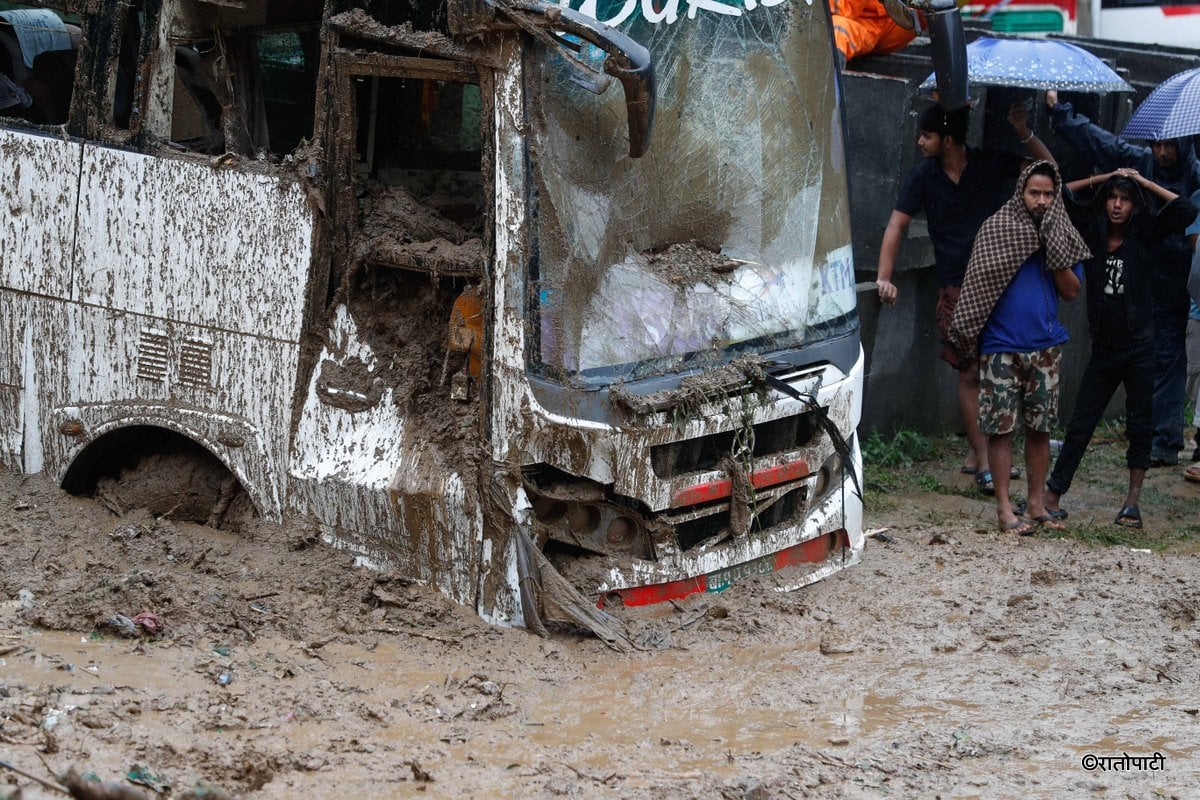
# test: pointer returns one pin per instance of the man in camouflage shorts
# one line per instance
(1022, 385)
(1025, 258)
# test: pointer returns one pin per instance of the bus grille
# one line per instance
(705, 452)
(693, 532)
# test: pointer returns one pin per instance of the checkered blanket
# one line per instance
(1005, 241)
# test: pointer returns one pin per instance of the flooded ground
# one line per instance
(955, 661)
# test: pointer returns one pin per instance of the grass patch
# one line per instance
(1111, 535)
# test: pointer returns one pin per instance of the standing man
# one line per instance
(1026, 256)
(1122, 231)
(957, 187)
(1172, 165)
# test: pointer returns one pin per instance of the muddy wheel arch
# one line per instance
(166, 468)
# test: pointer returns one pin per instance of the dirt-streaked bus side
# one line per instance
(544, 312)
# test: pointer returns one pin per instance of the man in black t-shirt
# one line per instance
(1124, 235)
(957, 188)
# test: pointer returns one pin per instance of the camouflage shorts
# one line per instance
(1012, 383)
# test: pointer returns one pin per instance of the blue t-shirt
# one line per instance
(1025, 318)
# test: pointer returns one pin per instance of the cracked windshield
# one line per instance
(730, 234)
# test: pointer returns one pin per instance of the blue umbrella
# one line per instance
(1037, 64)
(1172, 110)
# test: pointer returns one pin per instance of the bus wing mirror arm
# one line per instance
(948, 44)
(628, 61)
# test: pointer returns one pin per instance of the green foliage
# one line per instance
(902, 450)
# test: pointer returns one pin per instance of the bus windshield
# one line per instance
(731, 234)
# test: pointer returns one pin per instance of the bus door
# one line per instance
(399, 381)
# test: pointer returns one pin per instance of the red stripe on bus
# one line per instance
(1179, 11)
(813, 551)
(716, 490)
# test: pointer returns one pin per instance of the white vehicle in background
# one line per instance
(430, 279)
(1164, 22)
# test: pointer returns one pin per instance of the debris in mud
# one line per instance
(191, 485)
(419, 773)
(89, 787)
(399, 230)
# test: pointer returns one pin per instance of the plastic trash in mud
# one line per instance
(224, 679)
(25, 599)
(145, 623)
(150, 622)
(143, 777)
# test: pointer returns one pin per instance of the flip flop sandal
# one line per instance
(983, 482)
(1058, 514)
(1014, 473)
(1022, 526)
(965, 470)
(1129, 517)
(1049, 522)
(1192, 473)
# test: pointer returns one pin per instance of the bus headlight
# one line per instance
(829, 476)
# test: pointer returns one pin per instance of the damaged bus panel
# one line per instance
(548, 307)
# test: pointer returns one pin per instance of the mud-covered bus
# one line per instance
(547, 313)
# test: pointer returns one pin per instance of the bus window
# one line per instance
(37, 63)
(196, 117)
(245, 80)
(127, 64)
(287, 80)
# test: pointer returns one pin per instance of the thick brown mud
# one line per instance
(954, 661)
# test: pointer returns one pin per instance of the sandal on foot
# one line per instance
(1192, 473)
(1022, 526)
(1058, 514)
(983, 482)
(1129, 517)
(1014, 473)
(965, 470)
(1050, 522)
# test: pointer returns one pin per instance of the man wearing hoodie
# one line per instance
(1025, 257)
(1171, 164)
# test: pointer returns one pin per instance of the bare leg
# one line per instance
(1136, 477)
(1037, 463)
(968, 406)
(1052, 497)
(1000, 453)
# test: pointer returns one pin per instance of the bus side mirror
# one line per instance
(628, 61)
(948, 44)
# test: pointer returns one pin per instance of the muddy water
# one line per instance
(981, 666)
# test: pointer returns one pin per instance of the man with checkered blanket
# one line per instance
(1025, 257)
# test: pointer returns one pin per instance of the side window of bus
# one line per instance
(246, 89)
(38, 48)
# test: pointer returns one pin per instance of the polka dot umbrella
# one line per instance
(1037, 64)
(1170, 111)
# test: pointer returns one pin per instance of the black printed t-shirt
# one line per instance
(954, 212)
(1114, 318)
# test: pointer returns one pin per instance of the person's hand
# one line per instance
(1018, 117)
(1051, 98)
(887, 292)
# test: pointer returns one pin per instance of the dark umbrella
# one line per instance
(1172, 110)
(1037, 64)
